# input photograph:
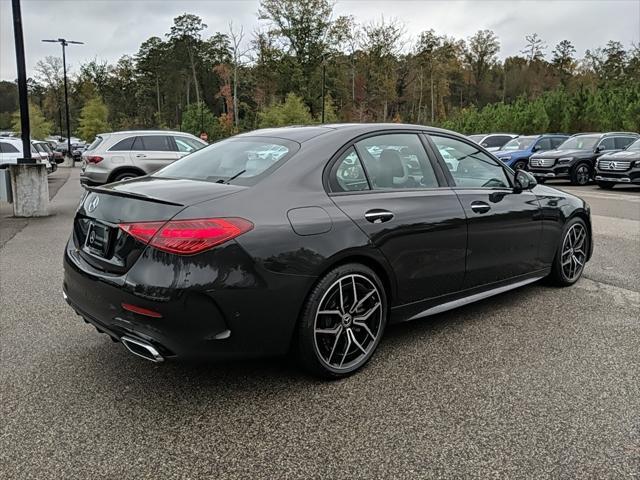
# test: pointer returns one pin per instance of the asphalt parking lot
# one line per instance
(537, 383)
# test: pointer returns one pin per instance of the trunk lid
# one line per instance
(106, 247)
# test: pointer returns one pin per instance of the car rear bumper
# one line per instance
(252, 318)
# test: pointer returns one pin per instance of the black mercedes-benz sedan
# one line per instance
(312, 240)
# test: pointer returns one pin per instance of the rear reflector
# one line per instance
(94, 159)
(187, 237)
(141, 311)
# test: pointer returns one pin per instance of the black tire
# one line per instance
(313, 341)
(606, 185)
(558, 275)
(581, 174)
(125, 176)
(520, 165)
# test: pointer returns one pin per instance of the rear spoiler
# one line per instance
(139, 196)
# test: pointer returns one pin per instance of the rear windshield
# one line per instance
(238, 160)
(581, 142)
(520, 143)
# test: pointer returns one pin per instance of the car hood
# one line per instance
(624, 155)
(562, 153)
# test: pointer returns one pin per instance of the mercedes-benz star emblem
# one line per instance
(612, 165)
(92, 237)
(93, 204)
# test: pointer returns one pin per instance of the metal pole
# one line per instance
(323, 77)
(22, 84)
(66, 97)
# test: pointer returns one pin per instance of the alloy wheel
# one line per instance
(582, 175)
(348, 322)
(574, 253)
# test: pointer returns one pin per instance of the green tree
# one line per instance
(292, 112)
(197, 118)
(93, 119)
(39, 126)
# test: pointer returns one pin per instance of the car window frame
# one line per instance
(329, 166)
(509, 172)
(604, 139)
(631, 137)
(333, 173)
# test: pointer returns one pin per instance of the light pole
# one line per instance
(22, 84)
(64, 44)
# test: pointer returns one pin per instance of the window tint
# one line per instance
(557, 141)
(123, 145)
(396, 161)
(623, 142)
(39, 148)
(544, 144)
(187, 145)
(348, 174)
(495, 141)
(607, 144)
(8, 148)
(472, 168)
(247, 159)
(155, 143)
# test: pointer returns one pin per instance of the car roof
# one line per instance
(302, 134)
(144, 132)
(15, 140)
(604, 134)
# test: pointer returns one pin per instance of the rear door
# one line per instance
(504, 228)
(389, 187)
(152, 152)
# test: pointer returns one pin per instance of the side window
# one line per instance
(155, 143)
(495, 141)
(473, 168)
(557, 141)
(396, 161)
(623, 142)
(7, 148)
(348, 174)
(123, 145)
(187, 145)
(544, 144)
(607, 144)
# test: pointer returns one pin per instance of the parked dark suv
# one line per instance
(619, 167)
(575, 159)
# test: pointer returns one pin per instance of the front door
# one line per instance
(388, 186)
(504, 227)
(153, 152)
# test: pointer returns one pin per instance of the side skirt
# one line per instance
(406, 313)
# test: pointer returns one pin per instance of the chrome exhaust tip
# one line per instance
(142, 349)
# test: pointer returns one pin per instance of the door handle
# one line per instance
(377, 215)
(480, 207)
(141, 155)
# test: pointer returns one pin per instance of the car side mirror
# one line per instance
(524, 180)
(599, 148)
(537, 148)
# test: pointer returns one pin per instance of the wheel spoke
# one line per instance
(366, 328)
(355, 294)
(362, 300)
(335, 343)
(366, 316)
(329, 331)
(353, 339)
(330, 312)
(575, 259)
(346, 349)
(341, 297)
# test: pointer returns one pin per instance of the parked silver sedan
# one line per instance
(116, 156)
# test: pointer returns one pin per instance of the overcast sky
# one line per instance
(113, 28)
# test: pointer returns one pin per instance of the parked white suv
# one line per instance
(11, 151)
(116, 156)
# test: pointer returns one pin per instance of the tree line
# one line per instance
(235, 80)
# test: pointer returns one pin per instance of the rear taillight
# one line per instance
(94, 159)
(187, 237)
